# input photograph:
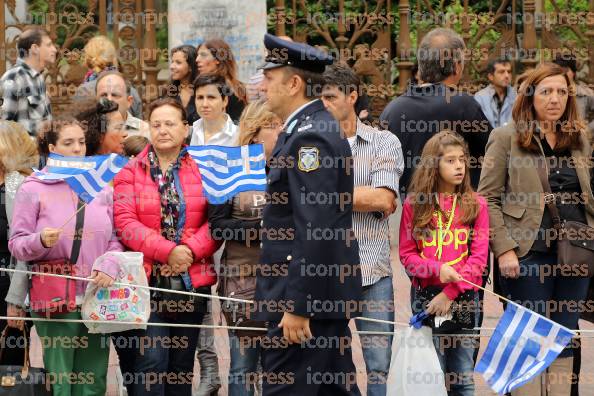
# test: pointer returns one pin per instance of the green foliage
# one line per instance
(66, 10)
(570, 6)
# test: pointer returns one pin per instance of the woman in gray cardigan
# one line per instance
(546, 131)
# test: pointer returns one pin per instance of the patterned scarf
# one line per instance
(170, 200)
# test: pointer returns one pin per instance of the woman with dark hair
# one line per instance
(215, 125)
(215, 57)
(546, 138)
(40, 207)
(104, 127)
(183, 71)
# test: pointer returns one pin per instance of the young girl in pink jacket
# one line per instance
(42, 230)
(444, 237)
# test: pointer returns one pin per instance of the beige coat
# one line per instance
(510, 183)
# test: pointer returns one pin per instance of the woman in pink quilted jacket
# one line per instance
(160, 210)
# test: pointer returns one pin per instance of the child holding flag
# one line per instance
(444, 237)
(44, 231)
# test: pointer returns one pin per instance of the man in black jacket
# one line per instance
(309, 281)
(436, 104)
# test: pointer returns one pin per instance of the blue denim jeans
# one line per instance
(455, 354)
(164, 363)
(377, 303)
(244, 369)
(553, 288)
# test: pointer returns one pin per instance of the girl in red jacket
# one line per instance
(444, 237)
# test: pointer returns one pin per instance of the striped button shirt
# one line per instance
(25, 97)
(378, 162)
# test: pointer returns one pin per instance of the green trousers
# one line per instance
(76, 361)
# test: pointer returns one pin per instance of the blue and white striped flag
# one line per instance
(523, 345)
(87, 176)
(227, 171)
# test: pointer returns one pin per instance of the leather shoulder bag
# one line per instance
(575, 240)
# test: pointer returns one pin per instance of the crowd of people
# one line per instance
(466, 173)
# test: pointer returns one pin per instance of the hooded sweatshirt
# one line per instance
(464, 247)
(50, 203)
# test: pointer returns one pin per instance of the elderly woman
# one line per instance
(238, 223)
(546, 127)
(160, 210)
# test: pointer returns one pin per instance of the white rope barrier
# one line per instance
(196, 326)
(180, 325)
(394, 323)
(78, 278)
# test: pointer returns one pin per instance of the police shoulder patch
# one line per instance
(309, 159)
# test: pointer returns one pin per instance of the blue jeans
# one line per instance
(377, 303)
(164, 363)
(554, 288)
(243, 370)
(455, 354)
(456, 358)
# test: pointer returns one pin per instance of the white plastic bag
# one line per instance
(119, 303)
(415, 369)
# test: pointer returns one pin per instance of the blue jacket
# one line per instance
(485, 97)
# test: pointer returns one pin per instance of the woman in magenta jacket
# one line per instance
(160, 210)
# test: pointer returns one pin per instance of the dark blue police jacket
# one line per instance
(309, 262)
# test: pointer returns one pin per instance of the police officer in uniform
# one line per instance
(309, 280)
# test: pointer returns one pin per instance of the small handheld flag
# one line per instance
(523, 345)
(87, 176)
(227, 171)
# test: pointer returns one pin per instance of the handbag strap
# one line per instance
(77, 240)
(549, 197)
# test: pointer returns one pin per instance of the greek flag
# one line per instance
(87, 176)
(523, 345)
(227, 171)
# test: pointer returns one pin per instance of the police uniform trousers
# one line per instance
(321, 366)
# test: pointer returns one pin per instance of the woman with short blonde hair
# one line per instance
(18, 155)
(18, 152)
(255, 116)
(237, 222)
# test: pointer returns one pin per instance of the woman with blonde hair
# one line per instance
(18, 155)
(100, 55)
(237, 222)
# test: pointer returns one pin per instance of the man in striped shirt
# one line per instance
(378, 165)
